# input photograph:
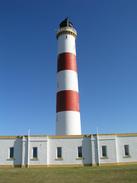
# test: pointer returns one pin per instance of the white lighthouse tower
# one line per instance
(67, 108)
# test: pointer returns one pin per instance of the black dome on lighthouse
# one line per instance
(66, 23)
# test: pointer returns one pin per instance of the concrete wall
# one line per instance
(87, 151)
(110, 143)
(132, 142)
(41, 144)
(5, 144)
(69, 151)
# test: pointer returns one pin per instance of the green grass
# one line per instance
(116, 174)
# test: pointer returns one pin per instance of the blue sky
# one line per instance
(106, 57)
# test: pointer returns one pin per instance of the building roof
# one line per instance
(71, 136)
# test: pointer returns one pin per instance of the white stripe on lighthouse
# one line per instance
(66, 43)
(67, 80)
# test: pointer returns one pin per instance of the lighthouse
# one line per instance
(67, 98)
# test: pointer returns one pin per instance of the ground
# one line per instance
(115, 174)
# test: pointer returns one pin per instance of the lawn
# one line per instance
(116, 174)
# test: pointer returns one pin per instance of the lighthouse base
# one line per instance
(68, 123)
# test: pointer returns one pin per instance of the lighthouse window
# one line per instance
(80, 152)
(126, 150)
(59, 152)
(104, 151)
(35, 152)
(11, 152)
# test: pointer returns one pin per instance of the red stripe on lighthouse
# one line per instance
(67, 100)
(66, 61)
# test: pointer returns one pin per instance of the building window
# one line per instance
(126, 150)
(35, 152)
(11, 152)
(59, 152)
(104, 151)
(80, 152)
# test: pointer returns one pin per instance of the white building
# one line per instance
(73, 150)
(68, 147)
